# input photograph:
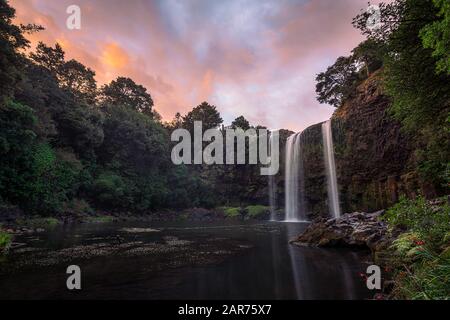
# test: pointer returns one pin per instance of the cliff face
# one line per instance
(374, 158)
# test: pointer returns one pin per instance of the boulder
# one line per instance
(356, 229)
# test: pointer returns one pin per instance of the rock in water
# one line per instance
(350, 230)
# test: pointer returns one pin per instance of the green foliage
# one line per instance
(39, 222)
(408, 244)
(231, 212)
(72, 75)
(125, 92)
(436, 36)
(338, 83)
(110, 190)
(256, 211)
(53, 181)
(416, 36)
(5, 242)
(420, 257)
(430, 222)
(369, 55)
(427, 279)
(12, 40)
(65, 144)
(17, 140)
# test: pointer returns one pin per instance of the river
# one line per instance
(182, 260)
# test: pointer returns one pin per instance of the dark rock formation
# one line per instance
(375, 160)
(356, 229)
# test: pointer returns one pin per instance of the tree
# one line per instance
(240, 122)
(135, 148)
(50, 58)
(369, 54)
(72, 75)
(338, 82)
(79, 80)
(17, 139)
(125, 92)
(12, 40)
(436, 36)
(206, 113)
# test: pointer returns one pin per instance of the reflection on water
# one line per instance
(268, 268)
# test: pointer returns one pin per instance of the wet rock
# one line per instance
(350, 230)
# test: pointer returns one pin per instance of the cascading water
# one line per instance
(272, 187)
(330, 167)
(294, 180)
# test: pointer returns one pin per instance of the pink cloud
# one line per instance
(258, 59)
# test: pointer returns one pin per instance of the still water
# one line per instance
(220, 260)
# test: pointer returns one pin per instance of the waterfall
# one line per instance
(330, 167)
(294, 180)
(272, 188)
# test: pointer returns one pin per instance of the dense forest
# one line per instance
(68, 145)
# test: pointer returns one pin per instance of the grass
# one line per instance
(39, 222)
(426, 279)
(5, 241)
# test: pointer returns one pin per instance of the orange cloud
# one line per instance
(114, 56)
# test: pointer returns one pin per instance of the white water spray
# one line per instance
(272, 187)
(294, 180)
(330, 167)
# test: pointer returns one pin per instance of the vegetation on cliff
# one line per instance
(409, 48)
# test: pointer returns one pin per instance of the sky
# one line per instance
(256, 58)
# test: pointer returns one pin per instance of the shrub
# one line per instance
(110, 190)
(257, 211)
(231, 212)
(5, 241)
(430, 222)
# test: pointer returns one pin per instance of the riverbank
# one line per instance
(13, 222)
(410, 242)
(14, 218)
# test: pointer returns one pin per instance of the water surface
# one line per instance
(186, 260)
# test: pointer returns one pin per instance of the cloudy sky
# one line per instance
(256, 58)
